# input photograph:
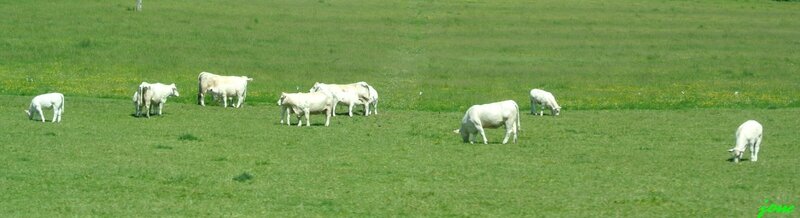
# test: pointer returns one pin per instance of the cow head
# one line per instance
(316, 87)
(556, 111)
(174, 90)
(737, 154)
(280, 100)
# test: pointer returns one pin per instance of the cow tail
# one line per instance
(142, 90)
(519, 127)
(200, 87)
(62, 104)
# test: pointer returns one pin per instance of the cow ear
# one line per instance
(730, 150)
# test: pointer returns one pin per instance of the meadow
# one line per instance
(652, 93)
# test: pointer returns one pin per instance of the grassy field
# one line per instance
(652, 93)
(191, 161)
(594, 55)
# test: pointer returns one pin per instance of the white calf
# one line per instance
(492, 115)
(49, 100)
(208, 80)
(350, 94)
(157, 93)
(546, 99)
(304, 104)
(236, 88)
(748, 134)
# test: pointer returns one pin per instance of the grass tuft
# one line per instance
(188, 137)
(244, 177)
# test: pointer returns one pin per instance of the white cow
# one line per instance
(492, 115)
(304, 104)
(49, 100)
(138, 104)
(350, 94)
(208, 80)
(157, 93)
(236, 88)
(747, 135)
(546, 100)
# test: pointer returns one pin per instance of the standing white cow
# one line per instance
(350, 94)
(304, 104)
(546, 100)
(232, 84)
(156, 93)
(747, 135)
(49, 100)
(492, 115)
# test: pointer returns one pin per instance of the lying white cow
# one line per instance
(156, 93)
(237, 88)
(492, 115)
(546, 100)
(350, 94)
(138, 104)
(231, 84)
(748, 135)
(304, 104)
(49, 100)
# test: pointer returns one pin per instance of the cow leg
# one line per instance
(240, 100)
(327, 117)
(366, 109)
(473, 137)
(308, 117)
(288, 117)
(483, 134)
(375, 107)
(533, 107)
(754, 150)
(55, 114)
(201, 99)
(350, 109)
(333, 109)
(41, 115)
(160, 108)
(299, 120)
(508, 134)
(283, 112)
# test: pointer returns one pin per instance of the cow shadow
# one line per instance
(730, 159)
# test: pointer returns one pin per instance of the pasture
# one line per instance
(652, 93)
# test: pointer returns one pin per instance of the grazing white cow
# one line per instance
(156, 93)
(231, 84)
(546, 100)
(49, 100)
(304, 104)
(747, 135)
(350, 94)
(492, 115)
(138, 104)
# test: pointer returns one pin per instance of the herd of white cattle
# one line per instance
(323, 98)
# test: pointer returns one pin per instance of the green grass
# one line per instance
(102, 161)
(648, 90)
(593, 55)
